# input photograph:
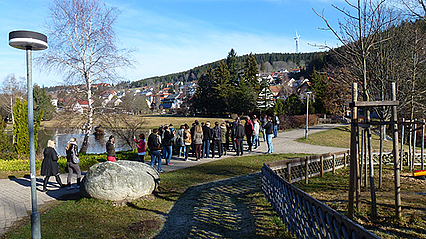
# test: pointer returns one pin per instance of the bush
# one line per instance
(296, 121)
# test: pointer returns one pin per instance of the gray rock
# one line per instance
(120, 180)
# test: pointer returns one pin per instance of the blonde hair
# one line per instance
(51, 143)
(198, 128)
(69, 143)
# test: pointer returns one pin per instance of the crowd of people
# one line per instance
(204, 140)
(198, 141)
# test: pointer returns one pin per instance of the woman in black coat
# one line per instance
(50, 166)
(72, 163)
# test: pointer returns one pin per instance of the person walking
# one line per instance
(187, 138)
(154, 146)
(275, 122)
(50, 166)
(217, 137)
(224, 141)
(72, 163)
(110, 148)
(256, 131)
(207, 139)
(140, 145)
(167, 144)
(198, 141)
(249, 131)
(269, 129)
(239, 137)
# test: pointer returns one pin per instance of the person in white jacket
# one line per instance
(256, 142)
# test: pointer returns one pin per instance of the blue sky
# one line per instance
(176, 35)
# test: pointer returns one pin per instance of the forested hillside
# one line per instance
(267, 62)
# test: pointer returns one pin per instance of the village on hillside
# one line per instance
(173, 97)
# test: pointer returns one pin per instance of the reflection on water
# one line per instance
(96, 145)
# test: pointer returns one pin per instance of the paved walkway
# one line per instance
(15, 193)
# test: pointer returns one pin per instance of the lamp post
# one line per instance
(307, 112)
(29, 41)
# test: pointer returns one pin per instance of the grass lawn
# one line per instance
(333, 191)
(341, 137)
(202, 201)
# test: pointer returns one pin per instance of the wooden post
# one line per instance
(306, 169)
(410, 141)
(397, 170)
(361, 159)
(413, 157)
(382, 135)
(322, 166)
(402, 142)
(289, 172)
(423, 144)
(372, 187)
(344, 160)
(334, 164)
(353, 171)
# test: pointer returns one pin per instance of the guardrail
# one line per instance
(303, 215)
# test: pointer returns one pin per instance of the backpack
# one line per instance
(216, 133)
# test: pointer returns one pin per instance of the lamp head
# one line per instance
(28, 40)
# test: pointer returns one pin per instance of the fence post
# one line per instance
(289, 172)
(322, 166)
(344, 160)
(402, 143)
(423, 143)
(334, 164)
(306, 169)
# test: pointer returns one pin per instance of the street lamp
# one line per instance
(27, 40)
(307, 112)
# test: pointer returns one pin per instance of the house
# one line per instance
(172, 101)
(81, 106)
(266, 99)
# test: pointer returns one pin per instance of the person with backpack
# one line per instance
(154, 145)
(225, 138)
(72, 163)
(217, 138)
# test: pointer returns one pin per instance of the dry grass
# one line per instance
(150, 121)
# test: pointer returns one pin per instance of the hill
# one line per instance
(267, 62)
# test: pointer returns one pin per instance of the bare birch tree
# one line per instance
(11, 89)
(83, 45)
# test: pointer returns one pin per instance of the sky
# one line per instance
(171, 36)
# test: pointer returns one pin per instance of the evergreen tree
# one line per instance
(319, 85)
(43, 101)
(222, 88)
(243, 98)
(232, 63)
(6, 147)
(20, 128)
(293, 105)
(250, 72)
(203, 97)
(279, 106)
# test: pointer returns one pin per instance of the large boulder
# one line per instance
(120, 180)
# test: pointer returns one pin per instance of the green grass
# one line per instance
(341, 137)
(91, 218)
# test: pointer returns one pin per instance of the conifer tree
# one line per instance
(20, 128)
(250, 72)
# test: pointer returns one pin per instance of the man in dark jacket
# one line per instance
(269, 130)
(207, 139)
(217, 137)
(154, 149)
(239, 136)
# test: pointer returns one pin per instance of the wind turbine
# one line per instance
(297, 42)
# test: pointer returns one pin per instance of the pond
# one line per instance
(96, 145)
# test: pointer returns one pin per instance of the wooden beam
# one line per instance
(374, 103)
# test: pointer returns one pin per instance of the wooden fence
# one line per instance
(303, 215)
